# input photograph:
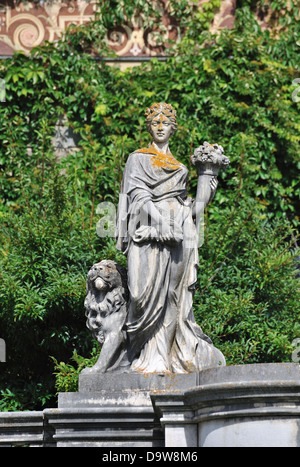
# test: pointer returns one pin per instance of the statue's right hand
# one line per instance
(145, 233)
(165, 234)
(169, 235)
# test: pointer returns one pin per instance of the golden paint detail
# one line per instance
(160, 107)
(159, 159)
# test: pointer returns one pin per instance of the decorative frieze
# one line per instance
(29, 24)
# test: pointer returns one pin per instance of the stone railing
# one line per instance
(25, 429)
(234, 406)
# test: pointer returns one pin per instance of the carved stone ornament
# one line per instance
(209, 158)
(106, 310)
(143, 317)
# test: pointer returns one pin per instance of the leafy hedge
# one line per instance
(235, 89)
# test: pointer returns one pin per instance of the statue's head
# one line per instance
(161, 121)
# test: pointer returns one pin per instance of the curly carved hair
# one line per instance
(161, 108)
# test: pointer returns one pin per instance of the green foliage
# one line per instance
(43, 273)
(189, 18)
(67, 374)
(235, 89)
(248, 296)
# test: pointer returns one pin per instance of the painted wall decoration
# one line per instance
(28, 24)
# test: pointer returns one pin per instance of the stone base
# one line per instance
(106, 426)
(243, 405)
(114, 409)
(236, 406)
(134, 383)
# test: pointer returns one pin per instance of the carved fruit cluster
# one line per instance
(210, 153)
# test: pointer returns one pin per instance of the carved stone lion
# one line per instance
(106, 311)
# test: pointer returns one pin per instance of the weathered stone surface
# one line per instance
(110, 426)
(153, 329)
(133, 381)
(253, 372)
(114, 409)
(243, 405)
(106, 311)
(126, 389)
(25, 429)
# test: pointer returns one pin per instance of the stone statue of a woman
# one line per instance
(156, 229)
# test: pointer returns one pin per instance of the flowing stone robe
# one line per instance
(162, 332)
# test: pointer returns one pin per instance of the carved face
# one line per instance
(105, 275)
(161, 128)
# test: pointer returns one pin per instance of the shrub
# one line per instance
(235, 89)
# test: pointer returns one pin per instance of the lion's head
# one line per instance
(107, 292)
(107, 275)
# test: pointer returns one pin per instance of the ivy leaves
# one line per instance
(234, 89)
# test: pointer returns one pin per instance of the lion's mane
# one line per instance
(106, 309)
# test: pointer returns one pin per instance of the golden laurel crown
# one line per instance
(161, 107)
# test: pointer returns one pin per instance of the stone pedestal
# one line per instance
(234, 406)
(114, 410)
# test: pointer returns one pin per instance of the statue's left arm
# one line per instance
(206, 190)
(208, 159)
